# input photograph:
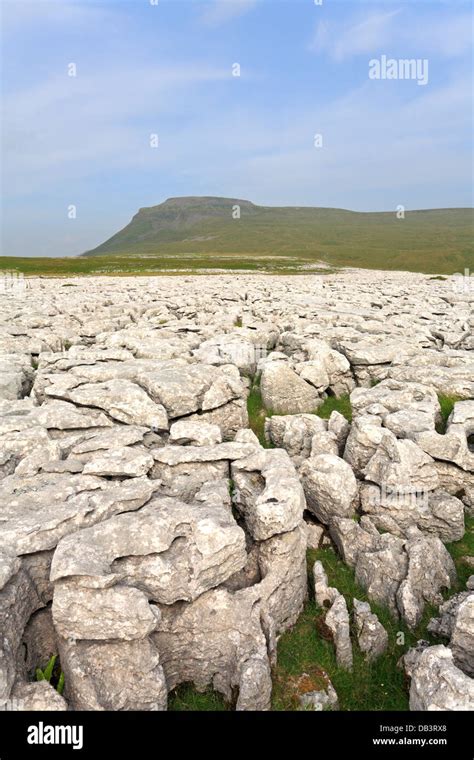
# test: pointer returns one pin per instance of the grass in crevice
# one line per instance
(460, 549)
(305, 649)
(377, 686)
(257, 413)
(341, 404)
(447, 404)
(52, 673)
(187, 698)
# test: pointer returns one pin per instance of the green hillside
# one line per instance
(200, 232)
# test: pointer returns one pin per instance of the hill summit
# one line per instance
(205, 227)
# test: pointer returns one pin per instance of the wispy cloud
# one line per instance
(220, 12)
(356, 38)
(450, 36)
(55, 13)
(70, 125)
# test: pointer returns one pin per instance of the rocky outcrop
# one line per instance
(371, 635)
(402, 575)
(149, 540)
(436, 682)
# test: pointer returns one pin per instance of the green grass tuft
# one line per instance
(186, 698)
(460, 549)
(340, 404)
(52, 673)
(447, 405)
(257, 413)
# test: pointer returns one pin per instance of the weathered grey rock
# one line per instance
(382, 570)
(102, 614)
(443, 625)
(352, 538)
(121, 399)
(18, 601)
(215, 493)
(314, 534)
(437, 684)
(407, 423)
(230, 451)
(325, 699)
(324, 594)
(285, 392)
(268, 493)
(330, 487)
(170, 550)
(327, 362)
(247, 436)
(118, 436)
(462, 639)
(337, 620)
(324, 443)
(38, 643)
(196, 434)
(340, 428)
(430, 569)
(401, 464)
(229, 418)
(26, 697)
(113, 675)
(457, 482)
(314, 372)
(16, 375)
(227, 639)
(63, 415)
(395, 510)
(38, 567)
(449, 372)
(451, 447)
(365, 435)
(123, 462)
(371, 635)
(183, 388)
(255, 684)
(39, 511)
(283, 588)
(242, 349)
(396, 403)
(367, 352)
(181, 471)
(119, 363)
(399, 574)
(210, 643)
(294, 432)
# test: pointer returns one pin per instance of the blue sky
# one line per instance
(166, 69)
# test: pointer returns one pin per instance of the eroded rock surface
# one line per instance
(148, 537)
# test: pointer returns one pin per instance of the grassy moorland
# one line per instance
(188, 234)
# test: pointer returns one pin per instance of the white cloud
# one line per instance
(220, 12)
(74, 126)
(448, 36)
(51, 13)
(360, 37)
